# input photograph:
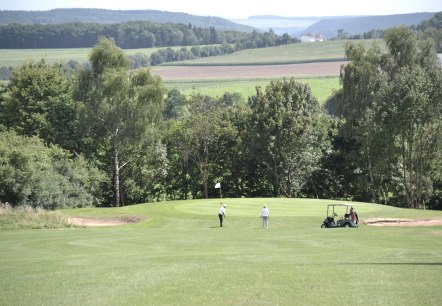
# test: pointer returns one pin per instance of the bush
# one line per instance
(27, 217)
(40, 176)
(5, 73)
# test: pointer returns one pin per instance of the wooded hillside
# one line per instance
(356, 25)
(112, 16)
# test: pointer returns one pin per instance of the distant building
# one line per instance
(309, 37)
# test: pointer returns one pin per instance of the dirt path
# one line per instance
(402, 222)
(252, 71)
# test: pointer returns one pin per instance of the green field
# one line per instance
(16, 57)
(179, 256)
(294, 53)
(285, 54)
(321, 88)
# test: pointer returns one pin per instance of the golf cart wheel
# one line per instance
(322, 225)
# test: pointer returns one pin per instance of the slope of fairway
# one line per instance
(178, 255)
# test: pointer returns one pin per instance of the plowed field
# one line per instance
(254, 71)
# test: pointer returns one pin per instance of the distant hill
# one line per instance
(328, 25)
(358, 25)
(58, 16)
(281, 25)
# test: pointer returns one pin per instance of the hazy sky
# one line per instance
(241, 8)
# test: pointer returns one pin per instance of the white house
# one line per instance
(309, 37)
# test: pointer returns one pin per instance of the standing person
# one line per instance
(265, 216)
(222, 214)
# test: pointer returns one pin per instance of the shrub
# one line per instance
(44, 176)
(27, 217)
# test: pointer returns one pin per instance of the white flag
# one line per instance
(218, 185)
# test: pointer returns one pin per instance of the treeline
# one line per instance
(431, 28)
(119, 141)
(139, 60)
(130, 35)
(170, 55)
(255, 40)
(87, 15)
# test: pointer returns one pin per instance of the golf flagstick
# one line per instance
(218, 185)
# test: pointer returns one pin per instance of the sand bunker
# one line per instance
(78, 221)
(402, 222)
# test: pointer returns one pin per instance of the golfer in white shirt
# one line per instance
(265, 216)
(222, 214)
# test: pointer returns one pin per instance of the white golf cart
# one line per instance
(340, 215)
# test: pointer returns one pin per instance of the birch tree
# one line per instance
(120, 107)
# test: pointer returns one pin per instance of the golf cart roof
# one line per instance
(348, 205)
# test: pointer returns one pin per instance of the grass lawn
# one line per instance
(322, 88)
(179, 256)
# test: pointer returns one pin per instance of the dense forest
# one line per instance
(86, 15)
(142, 34)
(110, 136)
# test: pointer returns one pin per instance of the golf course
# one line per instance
(175, 253)
(270, 147)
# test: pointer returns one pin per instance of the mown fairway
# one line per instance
(179, 256)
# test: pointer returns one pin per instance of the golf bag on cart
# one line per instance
(328, 222)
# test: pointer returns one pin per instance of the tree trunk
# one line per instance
(370, 172)
(411, 172)
(205, 175)
(116, 177)
(205, 170)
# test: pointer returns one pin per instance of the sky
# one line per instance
(236, 9)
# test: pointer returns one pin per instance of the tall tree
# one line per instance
(120, 107)
(284, 132)
(358, 103)
(38, 102)
(202, 137)
(414, 110)
(391, 103)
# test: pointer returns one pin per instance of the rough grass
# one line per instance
(179, 256)
(27, 217)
